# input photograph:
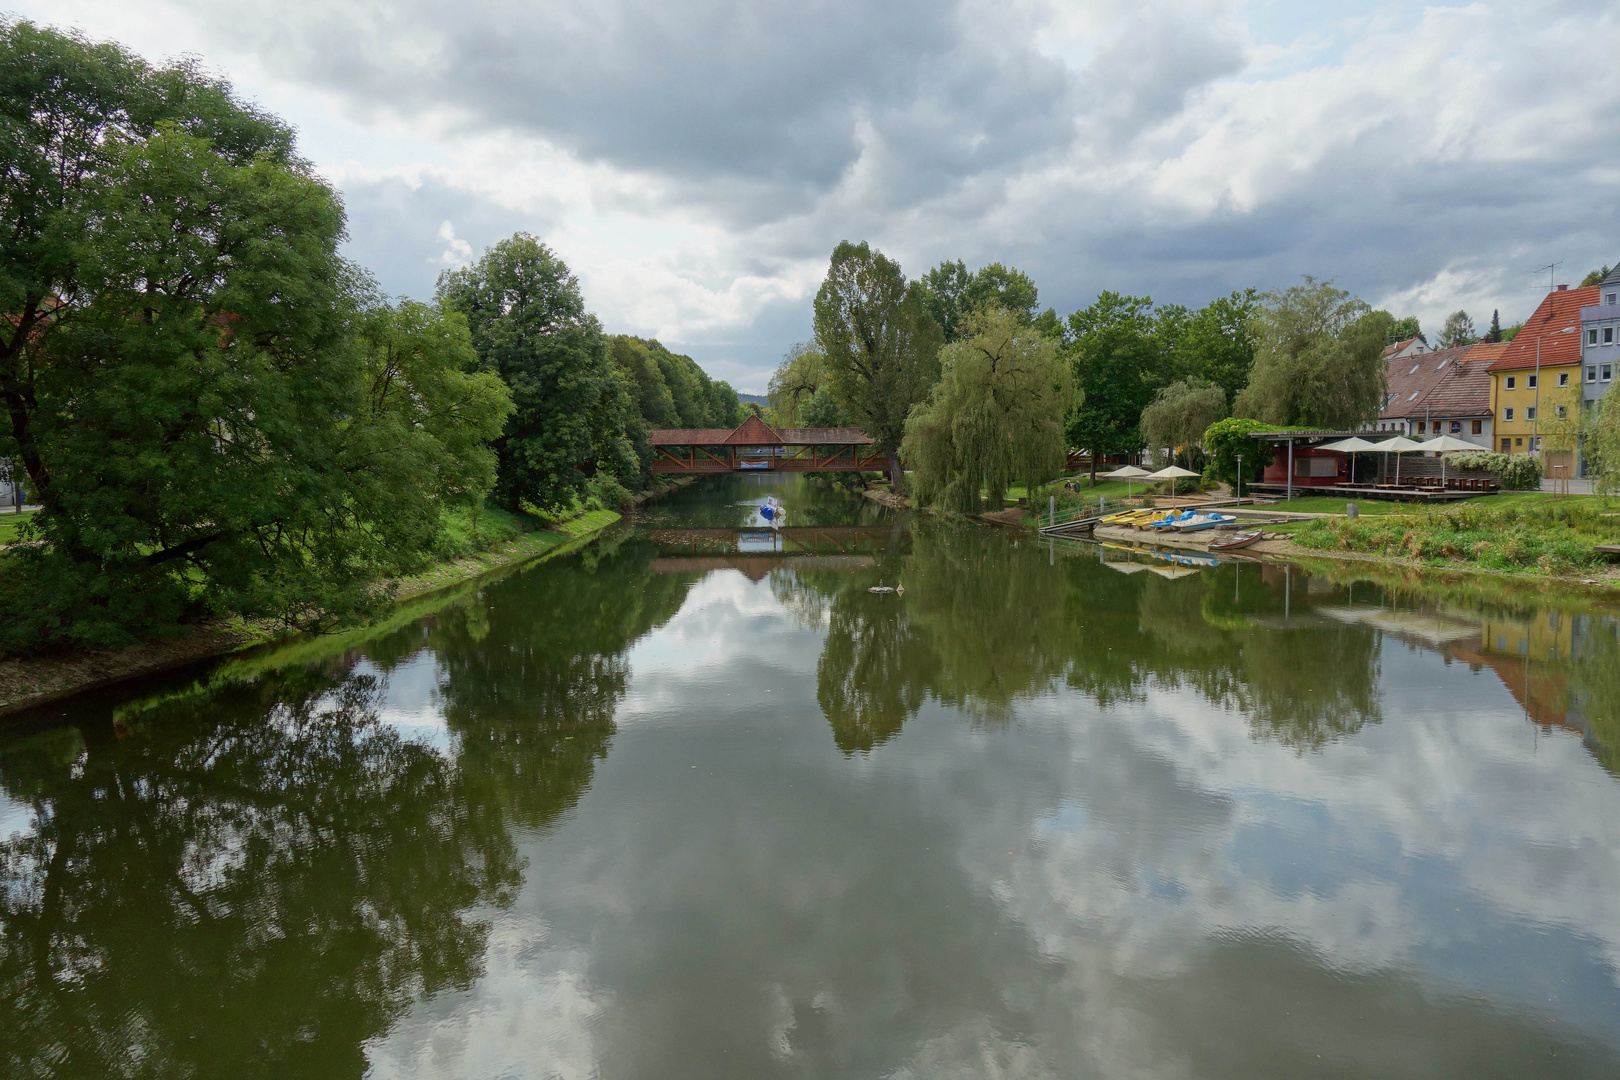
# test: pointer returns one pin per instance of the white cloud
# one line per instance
(457, 252)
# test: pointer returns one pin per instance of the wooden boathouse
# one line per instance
(755, 445)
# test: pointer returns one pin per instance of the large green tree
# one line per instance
(529, 325)
(210, 405)
(1319, 360)
(994, 418)
(1214, 343)
(951, 293)
(1118, 365)
(881, 347)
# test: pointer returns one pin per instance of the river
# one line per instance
(695, 802)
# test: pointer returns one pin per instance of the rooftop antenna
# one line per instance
(1550, 268)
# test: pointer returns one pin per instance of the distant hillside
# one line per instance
(757, 399)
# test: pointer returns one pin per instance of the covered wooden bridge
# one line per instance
(755, 445)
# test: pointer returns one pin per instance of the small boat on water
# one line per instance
(1236, 540)
(1171, 520)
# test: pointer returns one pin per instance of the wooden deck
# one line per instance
(1385, 492)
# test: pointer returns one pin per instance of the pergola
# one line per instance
(755, 446)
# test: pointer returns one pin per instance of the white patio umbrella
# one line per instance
(1126, 473)
(1443, 445)
(1351, 446)
(1397, 446)
(1171, 473)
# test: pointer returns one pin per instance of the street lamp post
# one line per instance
(1240, 476)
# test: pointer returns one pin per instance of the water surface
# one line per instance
(697, 803)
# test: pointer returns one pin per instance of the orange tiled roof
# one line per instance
(1557, 325)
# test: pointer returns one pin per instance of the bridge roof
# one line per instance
(755, 432)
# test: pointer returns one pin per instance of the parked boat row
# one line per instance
(1170, 520)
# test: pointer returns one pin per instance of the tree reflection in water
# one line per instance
(267, 876)
(258, 880)
(985, 623)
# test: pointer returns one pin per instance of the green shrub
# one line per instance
(1516, 472)
(1225, 439)
(604, 492)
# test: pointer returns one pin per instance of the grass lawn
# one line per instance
(1526, 500)
(1520, 531)
(9, 524)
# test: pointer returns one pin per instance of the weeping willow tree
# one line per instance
(995, 417)
(1179, 414)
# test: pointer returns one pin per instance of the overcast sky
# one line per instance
(695, 161)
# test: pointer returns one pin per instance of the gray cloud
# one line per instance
(774, 94)
(1426, 157)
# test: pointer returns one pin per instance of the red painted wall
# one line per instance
(1313, 462)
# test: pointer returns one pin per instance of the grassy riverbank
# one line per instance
(1517, 533)
(474, 545)
(1542, 535)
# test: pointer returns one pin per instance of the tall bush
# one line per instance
(1225, 439)
(1516, 472)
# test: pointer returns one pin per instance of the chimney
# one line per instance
(1561, 288)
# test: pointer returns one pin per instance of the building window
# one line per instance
(1591, 373)
(1478, 428)
(1507, 445)
(1532, 382)
(1529, 412)
(1507, 415)
(1611, 298)
(1591, 336)
(1421, 429)
(1512, 381)
(1563, 378)
(1518, 442)
(1560, 412)
(1608, 372)
(1608, 335)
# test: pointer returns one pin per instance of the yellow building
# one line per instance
(1536, 384)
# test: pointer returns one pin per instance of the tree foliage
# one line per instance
(653, 375)
(1224, 440)
(994, 418)
(951, 294)
(1458, 330)
(1595, 277)
(529, 325)
(1180, 413)
(1214, 343)
(1403, 329)
(1319, 359)
(881, 347)
(212, 407)
(1117, 367)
